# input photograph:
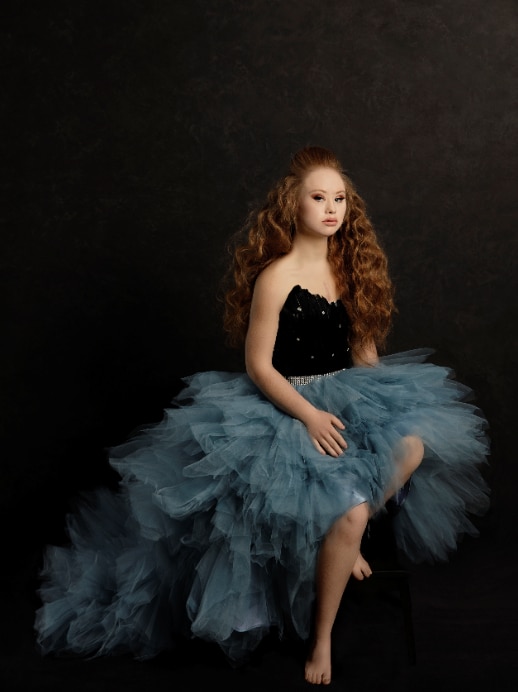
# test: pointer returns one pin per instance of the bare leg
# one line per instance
(337, 557)
(410, 456)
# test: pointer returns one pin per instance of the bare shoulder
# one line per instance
(273, 284)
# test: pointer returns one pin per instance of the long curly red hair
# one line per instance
(359, 263)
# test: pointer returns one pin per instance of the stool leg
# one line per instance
(406, 602)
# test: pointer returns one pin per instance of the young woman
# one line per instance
(244, 508)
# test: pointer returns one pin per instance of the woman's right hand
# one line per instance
(324, 431)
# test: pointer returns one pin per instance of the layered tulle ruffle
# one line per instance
(224, 503)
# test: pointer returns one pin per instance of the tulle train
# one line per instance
(224, 503)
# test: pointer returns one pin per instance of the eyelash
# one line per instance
(318, 198)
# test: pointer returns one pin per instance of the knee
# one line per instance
(351, 525)
(412, 455)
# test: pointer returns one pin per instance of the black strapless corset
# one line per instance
(313, 335)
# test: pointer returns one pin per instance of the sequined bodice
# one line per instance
(312, 337)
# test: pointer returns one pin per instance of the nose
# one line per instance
(330, 207)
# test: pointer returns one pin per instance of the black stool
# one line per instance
(387, 588)
(373, 635)
(389, 576)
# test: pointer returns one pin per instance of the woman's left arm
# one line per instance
(365, 355)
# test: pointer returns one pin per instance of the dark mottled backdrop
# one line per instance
(136, 137)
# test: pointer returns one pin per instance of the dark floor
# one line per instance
(465, 620)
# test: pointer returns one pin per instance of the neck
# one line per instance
(310, 248)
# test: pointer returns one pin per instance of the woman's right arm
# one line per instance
(269, 296)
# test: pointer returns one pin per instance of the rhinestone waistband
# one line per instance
(306, 379)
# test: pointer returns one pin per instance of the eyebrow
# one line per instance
(319, 190)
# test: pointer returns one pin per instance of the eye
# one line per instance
(318, 198)
(340, 199)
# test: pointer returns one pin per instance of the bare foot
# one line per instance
(361, 568)
(318, 664)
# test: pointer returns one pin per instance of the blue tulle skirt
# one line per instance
(223, 506)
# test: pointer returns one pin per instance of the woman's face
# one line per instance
(322, 203)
